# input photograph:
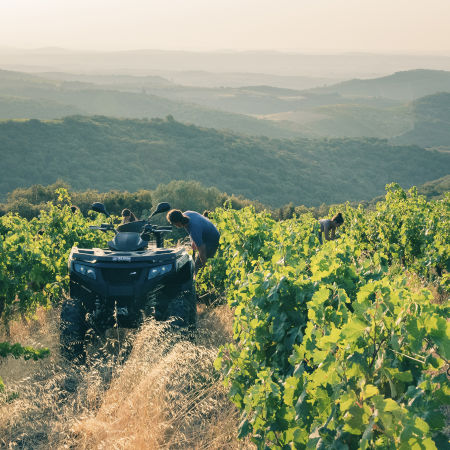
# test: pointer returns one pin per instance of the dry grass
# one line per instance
(167, 394)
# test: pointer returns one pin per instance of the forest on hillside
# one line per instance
(185, 195)
(104, 153)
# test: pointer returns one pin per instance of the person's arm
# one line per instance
(202, 253)
(198, 244)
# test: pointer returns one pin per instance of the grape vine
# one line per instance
(333, 346)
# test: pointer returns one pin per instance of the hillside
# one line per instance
(424, 121)
(348, 120)
(436, 188)
(139, 97)
(253, 110)
(19, 94)
(18, 107)
(105, 153)
(260, 100)
(431, 116)
(406, 85)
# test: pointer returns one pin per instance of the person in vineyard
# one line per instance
(328, 227)
(203, 234)
(128, 216)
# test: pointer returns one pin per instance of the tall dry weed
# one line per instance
(166, 395)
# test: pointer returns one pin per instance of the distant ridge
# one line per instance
(405, 85)
(337, 65)
(20, 92)
(356, 108)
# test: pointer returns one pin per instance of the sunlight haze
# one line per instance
(289, 25)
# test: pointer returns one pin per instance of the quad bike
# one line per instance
(118, 287)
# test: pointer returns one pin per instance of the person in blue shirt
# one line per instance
(203, 233)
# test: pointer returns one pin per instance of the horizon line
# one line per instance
(306, 52)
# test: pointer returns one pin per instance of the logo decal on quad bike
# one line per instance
(122, 258)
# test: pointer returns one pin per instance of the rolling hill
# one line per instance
(436, 188)
(406, 85)
(20, 93)
(271, 111)
(105, 153)
(431, 116)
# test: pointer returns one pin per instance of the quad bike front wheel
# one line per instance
(73, 329)
(182, 311)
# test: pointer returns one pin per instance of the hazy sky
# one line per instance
(298, 25)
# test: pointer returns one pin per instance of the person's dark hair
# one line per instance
(206, 213)
(176, 216)
(128, 216)
(338, 219)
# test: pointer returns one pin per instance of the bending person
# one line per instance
(328, 227)
(203, 234)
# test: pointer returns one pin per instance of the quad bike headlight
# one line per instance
(158, 271)
(85, 270)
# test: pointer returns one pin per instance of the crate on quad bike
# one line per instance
(121, 285)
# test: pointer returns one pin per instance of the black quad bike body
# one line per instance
(121, 285)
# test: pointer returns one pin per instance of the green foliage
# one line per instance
(19, 351)
(184, 195)
(332, 348)
(33, 256)
(33, 263)
(406, 229)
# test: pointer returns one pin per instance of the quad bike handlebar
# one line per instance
(144, 228)
(141, 227)
(102, 227)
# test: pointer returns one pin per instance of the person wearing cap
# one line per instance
(328, 227)
(203, 233)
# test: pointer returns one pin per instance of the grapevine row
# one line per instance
(334, 346)
(33, 264)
